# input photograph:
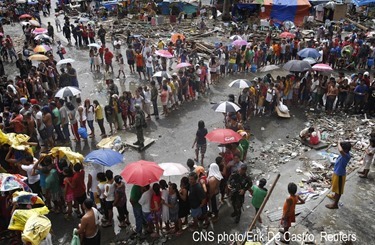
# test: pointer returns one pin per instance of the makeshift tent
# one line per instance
(187, 8)
(282, 10)
(363, 2)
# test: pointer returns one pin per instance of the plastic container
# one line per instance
(253, 68)
(82, 132)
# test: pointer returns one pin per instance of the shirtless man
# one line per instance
(88, 229)
(47, 120)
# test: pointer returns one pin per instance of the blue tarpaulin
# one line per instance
(185, 7)
(364, 2)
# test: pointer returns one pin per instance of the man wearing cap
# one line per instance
(140, 122)
(239, 183)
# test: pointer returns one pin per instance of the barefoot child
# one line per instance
(367, 160)
(339, 173)
(259, 193)
(289, 211)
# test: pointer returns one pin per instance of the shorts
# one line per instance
(131, 62)
(196, 212)
(202, 148)
(122, 67)
(81, 199)
(149, 71)
(69, 197)
(49, 131)
(108, 205)
(55, 197)
(338, 184)
(139, 68)
(147, 216)
(92, 240)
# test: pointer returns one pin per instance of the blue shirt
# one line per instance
(360, 89)
(340, 164)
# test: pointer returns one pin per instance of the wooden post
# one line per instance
(262, 206)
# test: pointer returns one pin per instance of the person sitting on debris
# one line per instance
(306, 133)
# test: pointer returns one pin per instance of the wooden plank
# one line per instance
(282, 114)
(131, 138)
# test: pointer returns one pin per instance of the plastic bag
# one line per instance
(36, 229)
(75, 239)
(21, 216)
(283, 108)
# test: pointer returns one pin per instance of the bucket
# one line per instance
(82, 132)
(253, 68)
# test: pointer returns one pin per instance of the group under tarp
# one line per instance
(282, 10)
(364, 2)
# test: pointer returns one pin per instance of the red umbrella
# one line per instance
(287, 35)
(25, 16)
(142, 173)
(223, 136)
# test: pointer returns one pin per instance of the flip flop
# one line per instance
(331, 196)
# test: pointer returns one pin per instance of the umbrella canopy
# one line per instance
(95, 45)
(164, 53)
(226, 107)
(322, 67)
(104, 157)
(25, 16)
(239, 42)
(42, 36)
(175, 36)
(40, 30)
(269, 68)
(68, 91)
(240, 83)
(20, 217)
(370, 34)
(235, 37)
(36, 229)
(347, 50)
(310, 60)
(223, 136)
(42, 49)
(34, 23)
(24, 197)
(9, 182)
(171, 169)
(297, 66)
(38, 57)
(61, 152)
(162, 74)
(142, 173)
(65, 61)
(309, 52)
(183, 64)
(286, 34)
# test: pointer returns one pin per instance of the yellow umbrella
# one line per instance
(73, 157)
(20, 217)
(24, 197)
(40, 49)
(38, 57)
(36, 229)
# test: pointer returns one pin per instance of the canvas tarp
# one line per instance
(364, 2)
(282, 10)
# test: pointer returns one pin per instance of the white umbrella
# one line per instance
(240, 83)
(68, 91)
(34, 23)
(41, 36)
(162, 74)
(171, 169)
(95, 45)
(269, 68)
(310, 60)
(226, 106)
(65, 61)
(236, 37)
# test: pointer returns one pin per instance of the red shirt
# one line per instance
(18, 125)
(108, 57)
(78, 182)
(157, 199)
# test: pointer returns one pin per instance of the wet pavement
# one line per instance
(174, 137)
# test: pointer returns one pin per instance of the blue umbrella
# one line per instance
(309, 52)
(104, 157)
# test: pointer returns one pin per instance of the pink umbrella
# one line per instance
(47, 47)
(40, 31)
(239, 43)
(322, 67)
(183, 64)
(287, 35)
(163, 53)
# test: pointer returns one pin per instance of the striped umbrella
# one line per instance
(226, 106)
(240, 83)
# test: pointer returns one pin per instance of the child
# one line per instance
(165, 207)
(191, 165)
(100, 190)
(200, 141)
(121, 65)
(258, 193)
(339, 173)
(367, 160)
(289, 214)
(69, 196)
(173, 207)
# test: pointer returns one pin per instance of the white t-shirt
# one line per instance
(90, 116)
(270, 94)
(145, 201)
(149, 61)
(30, 178)
(115, 43)
(110, 193)
(368, 158)
(314, 86)
(39, 116)
(94, 180)
(147, 95)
